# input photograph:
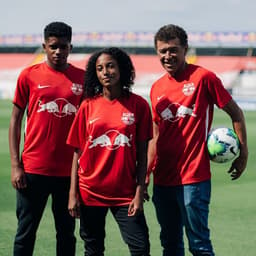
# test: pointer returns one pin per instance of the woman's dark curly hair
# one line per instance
(92, 86)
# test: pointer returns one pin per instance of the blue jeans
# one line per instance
(185, 205)
(31, 203)
(133, 229)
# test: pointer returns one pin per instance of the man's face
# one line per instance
(57, 51)
(172, 55)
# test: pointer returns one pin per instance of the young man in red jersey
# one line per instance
(50, 94)
(182, 104)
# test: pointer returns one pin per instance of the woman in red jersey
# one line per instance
(110, 135)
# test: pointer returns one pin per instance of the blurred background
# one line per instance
(222, 37)
(231, 55)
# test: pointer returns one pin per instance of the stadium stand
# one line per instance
(232, 56)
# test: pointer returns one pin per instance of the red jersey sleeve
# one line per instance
(144, 125)
(157, 91)
(219, 94)
(21, 95)
(155, 116)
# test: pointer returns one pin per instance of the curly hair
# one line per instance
(92, 86)
(169, 32)
(58, 29)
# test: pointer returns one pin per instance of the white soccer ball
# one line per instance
(223, 144)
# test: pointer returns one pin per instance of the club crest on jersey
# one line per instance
(128, 118)
(77, 89)
(188, 89)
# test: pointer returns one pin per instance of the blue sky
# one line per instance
(30, 16)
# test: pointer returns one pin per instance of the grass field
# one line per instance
(232, 213)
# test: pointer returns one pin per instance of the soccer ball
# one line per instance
(222, 144)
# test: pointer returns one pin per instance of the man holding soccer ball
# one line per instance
(182, 104)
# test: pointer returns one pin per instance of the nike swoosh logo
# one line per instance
(42, 86)
(160, 97)
(93, 120)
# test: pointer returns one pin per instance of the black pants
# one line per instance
(31, 203)
(133, 229)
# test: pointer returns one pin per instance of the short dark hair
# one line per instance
(93, 87)
(170, 32)
(58, 29)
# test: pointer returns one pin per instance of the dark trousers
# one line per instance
(133, 229)
(31, 203)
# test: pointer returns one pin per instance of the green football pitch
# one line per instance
(232, 217)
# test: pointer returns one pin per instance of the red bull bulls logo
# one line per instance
(59, 107)
(175, 112)
(112, 140)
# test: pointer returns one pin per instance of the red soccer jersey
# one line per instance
(183, 109)
(107, 132)
(52, 99)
